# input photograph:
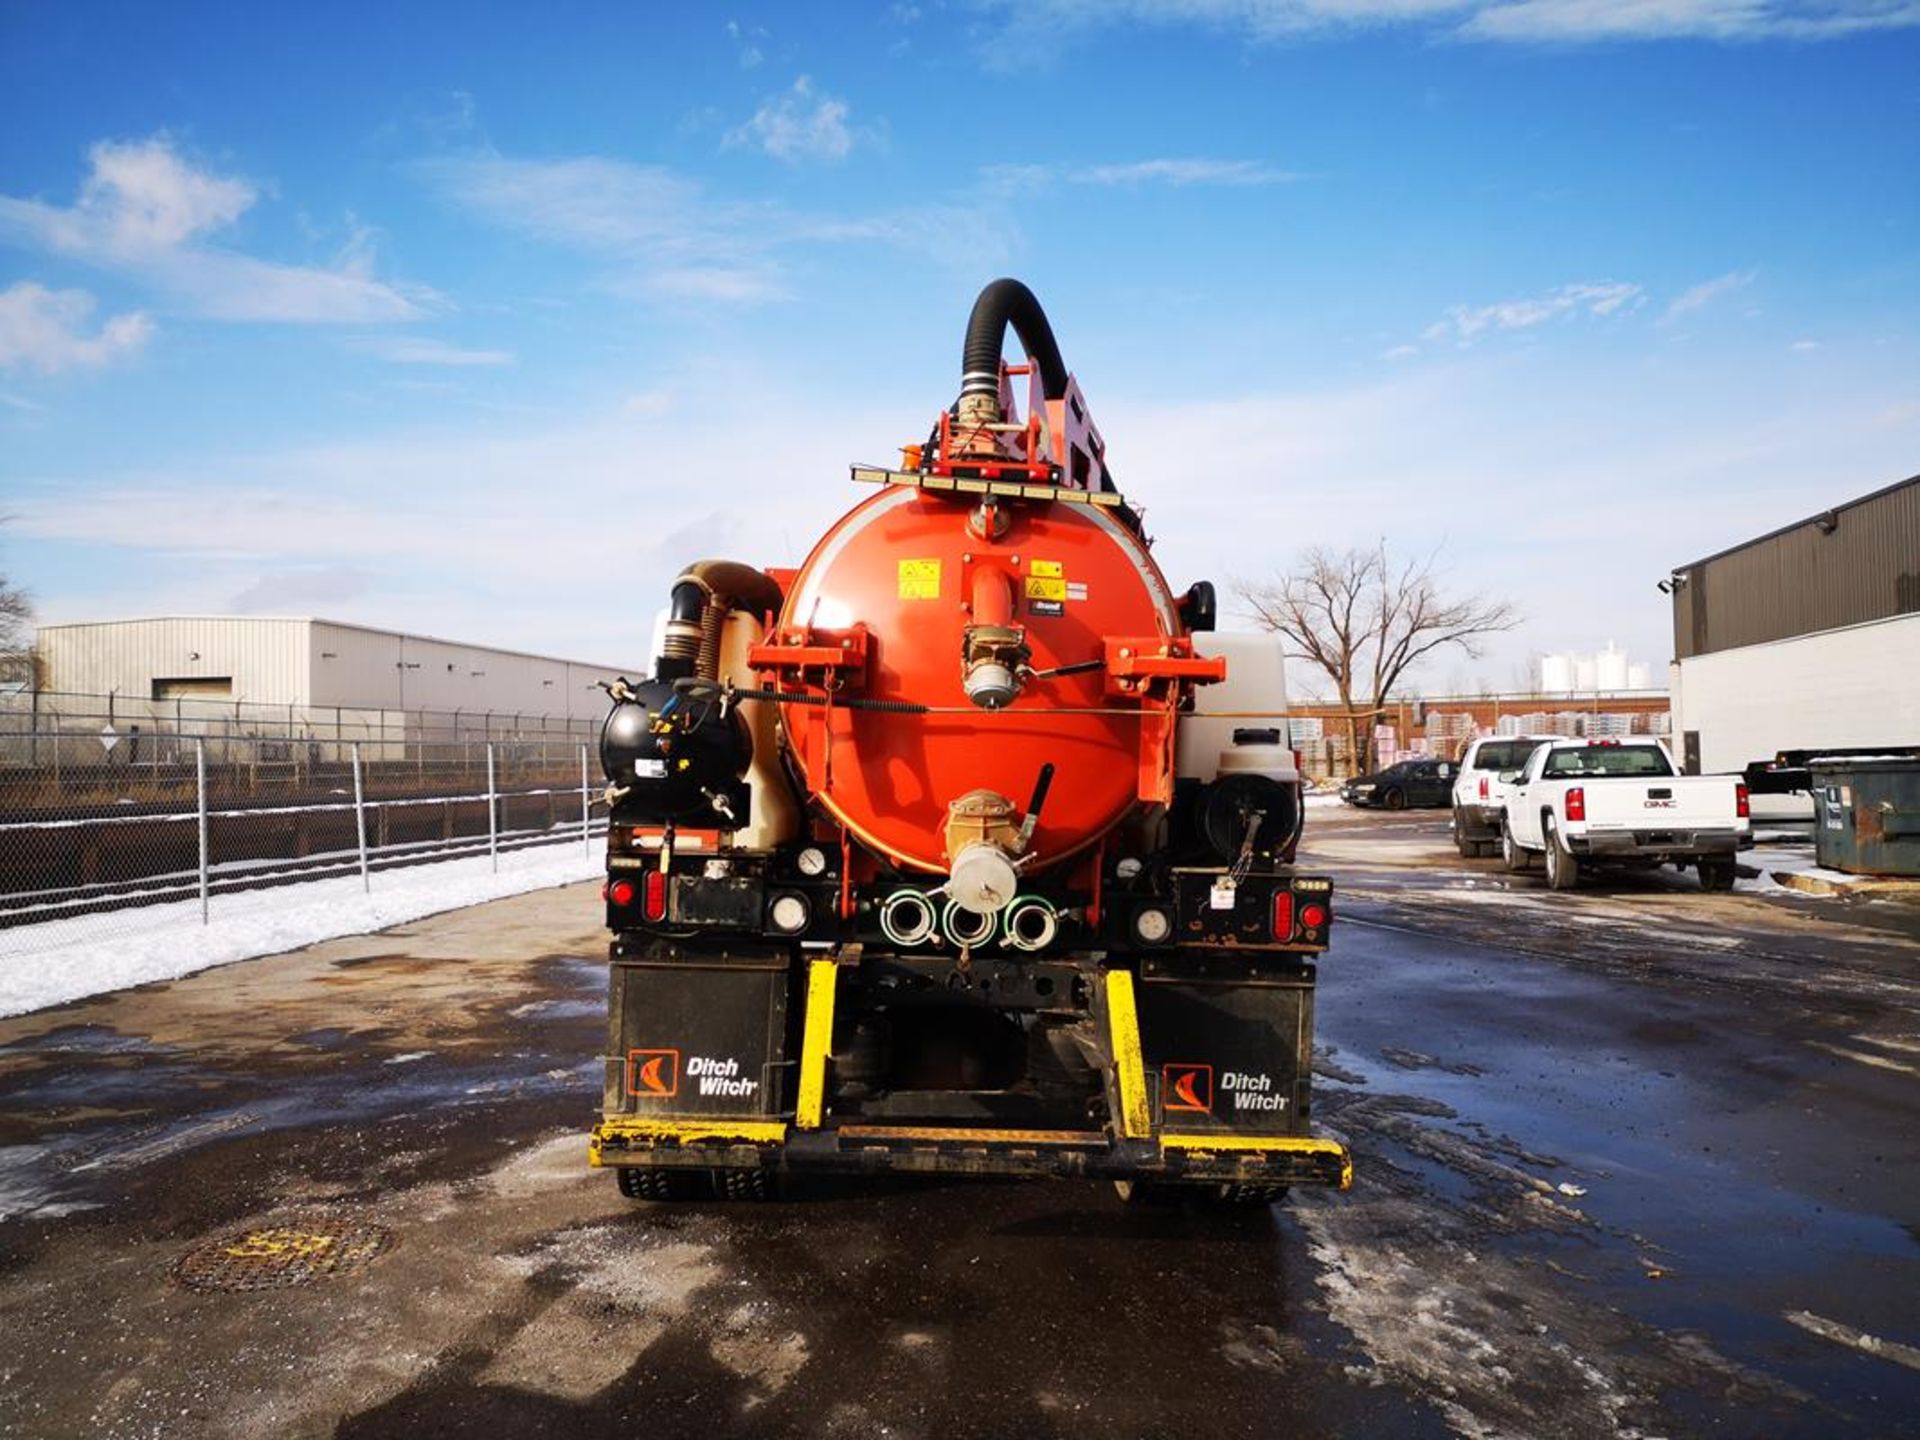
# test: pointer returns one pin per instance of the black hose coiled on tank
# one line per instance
(1004, 303)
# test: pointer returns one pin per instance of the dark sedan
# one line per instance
(1423, 783)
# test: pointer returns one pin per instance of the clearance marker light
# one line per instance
(1313, 916)
(620, 892)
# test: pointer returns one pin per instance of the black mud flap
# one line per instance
(1228, 1044)
(696, 1051)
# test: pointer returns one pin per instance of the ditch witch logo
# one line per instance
(655, 1075)
(1190, 1088)
(1187, 1087)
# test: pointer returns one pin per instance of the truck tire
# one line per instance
(1467, 848)
(659, 1183)
(739, 1183)
(644, 1182)
(1518, 860)
(1563, 871)
(1716, 875)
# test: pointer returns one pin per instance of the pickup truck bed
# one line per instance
(1588, 803)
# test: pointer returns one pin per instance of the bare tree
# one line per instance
(16, 618)
(16, 626)
(1366, 619)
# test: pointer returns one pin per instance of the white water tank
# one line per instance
(1639, 677)
(1586, 673)
(1556, 674)
(1610, 669)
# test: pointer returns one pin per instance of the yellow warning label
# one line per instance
(919, 579)
(1049, 567)
(1046, 587)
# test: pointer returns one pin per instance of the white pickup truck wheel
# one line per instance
(1717, 875)
(1563, 871)
(1516, 858)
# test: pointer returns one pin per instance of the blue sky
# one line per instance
(480, 321)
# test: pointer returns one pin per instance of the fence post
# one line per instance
(586, 809)
(493, 815)
(200, 788)
(360, 819)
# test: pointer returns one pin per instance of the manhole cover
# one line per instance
(294, 1251)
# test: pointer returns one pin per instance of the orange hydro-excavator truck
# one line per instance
(967, 846)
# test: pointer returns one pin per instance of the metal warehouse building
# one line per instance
(1805, 639)
(314, 665)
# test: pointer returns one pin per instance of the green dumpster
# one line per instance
(1867, 814)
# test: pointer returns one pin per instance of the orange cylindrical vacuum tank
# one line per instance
(906, 564)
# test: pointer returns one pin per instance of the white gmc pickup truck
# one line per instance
(1588, 803)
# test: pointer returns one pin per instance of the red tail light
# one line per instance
(1283, 914)
(1742, 803)
(620, 892)
(1577, 803)
(1483, 787)
(655, 907)
(1313, 917)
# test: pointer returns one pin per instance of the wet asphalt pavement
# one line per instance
(1636, 1161)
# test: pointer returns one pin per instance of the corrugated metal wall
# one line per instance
(1806, 578)
(265, 659)
(320, 664)
(352, 666)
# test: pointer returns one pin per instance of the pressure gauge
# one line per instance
(811, 861)
(1127, 867)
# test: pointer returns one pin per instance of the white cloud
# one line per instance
(800, 125)
(1034, 27)
(1400, 352)
(668, 238)
(44, 330)
(1464, 324)
(410, 350)
(1017, 179)
(1804, 346)
(1184, 172)
(146, 211)
(1728, 20)
(1698, 297)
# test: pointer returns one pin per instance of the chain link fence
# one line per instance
(106, 814)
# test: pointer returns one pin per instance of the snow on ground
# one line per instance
(1773, 860)
(71, 959)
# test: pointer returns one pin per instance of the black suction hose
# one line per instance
(1004, 303)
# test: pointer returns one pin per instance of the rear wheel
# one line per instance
(644, 1182)
(1716, 875)
(1516, 858)
(1563, 871)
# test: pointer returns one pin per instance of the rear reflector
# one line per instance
(620, 892)
(656, 903)
(1577, 803)
(1313, 917)
(1283, 914)
(1742, 803)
